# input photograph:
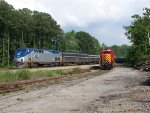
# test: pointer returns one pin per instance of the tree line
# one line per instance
(139, 33)
(120, 51)
(34, 29)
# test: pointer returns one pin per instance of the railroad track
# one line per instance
(13, 86)
(21, 95)
(53, 68)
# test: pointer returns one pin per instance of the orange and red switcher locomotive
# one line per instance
(107, 59)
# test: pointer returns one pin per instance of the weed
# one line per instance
(19, 99)
(23, 74)
(75, 70)
(2, 93)
(26, 74)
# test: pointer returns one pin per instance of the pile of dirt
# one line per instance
(143, 66)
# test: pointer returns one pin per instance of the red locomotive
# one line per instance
(107, 59)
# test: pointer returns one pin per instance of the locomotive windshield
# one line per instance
(21, 52)
(106, 52)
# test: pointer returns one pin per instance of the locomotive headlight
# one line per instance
(19, 59)
(22, 59)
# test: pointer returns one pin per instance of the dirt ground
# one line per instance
(119, 90)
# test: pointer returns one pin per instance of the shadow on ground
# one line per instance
(146, 83)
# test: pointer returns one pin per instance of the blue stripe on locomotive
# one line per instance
(22, 52)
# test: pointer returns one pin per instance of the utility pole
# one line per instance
(22, 39)
(3, 53)
(148, 38)
(8, 49)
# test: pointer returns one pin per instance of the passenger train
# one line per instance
(32, 57)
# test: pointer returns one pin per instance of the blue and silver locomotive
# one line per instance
(31, 57)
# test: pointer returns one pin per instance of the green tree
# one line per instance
(26, 28)
(87, 43)
(120, 51)
(137, 33)
(71, 41)
(6, 29)
(48, 32)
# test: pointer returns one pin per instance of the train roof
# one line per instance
(57, 51)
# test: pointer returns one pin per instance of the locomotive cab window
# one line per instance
(106, 52)
(38, 51)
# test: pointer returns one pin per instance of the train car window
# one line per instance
(38, 51)
(57, 59)
(35, 51)
(23, 50)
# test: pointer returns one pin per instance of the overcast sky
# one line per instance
(103, 19)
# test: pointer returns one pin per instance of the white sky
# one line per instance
(101, 18)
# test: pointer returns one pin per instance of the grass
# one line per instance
(25, 74)
(47, 73)
(14, 76)
(75, 70)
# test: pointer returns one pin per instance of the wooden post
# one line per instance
(8, 50)
(22, 39)
(3, 53)
(148, 38)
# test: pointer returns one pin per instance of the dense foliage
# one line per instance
(138, 33)
(82, 42)
(120, 51)
(26, 28)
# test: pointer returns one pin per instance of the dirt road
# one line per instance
(119, 90)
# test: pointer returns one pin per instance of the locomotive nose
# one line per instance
(19, 59)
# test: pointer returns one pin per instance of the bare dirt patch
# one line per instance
(119, 90)
(133, 98)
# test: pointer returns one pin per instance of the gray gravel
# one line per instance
(119, 90)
